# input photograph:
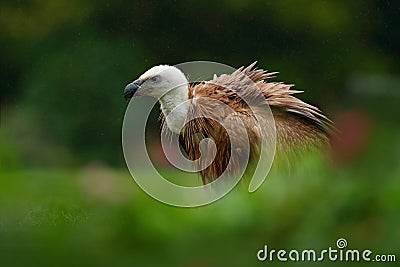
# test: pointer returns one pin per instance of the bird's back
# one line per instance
(240, 95)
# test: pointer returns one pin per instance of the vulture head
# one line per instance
(169, 86)
(156, 82)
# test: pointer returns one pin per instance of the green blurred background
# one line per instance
(66, 197)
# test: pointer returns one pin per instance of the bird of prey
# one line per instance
(297, 124)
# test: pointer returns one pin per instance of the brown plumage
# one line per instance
(297, 123)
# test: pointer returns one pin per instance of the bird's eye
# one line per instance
(155, 79)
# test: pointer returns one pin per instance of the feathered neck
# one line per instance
(175, 100)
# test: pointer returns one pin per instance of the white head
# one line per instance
(167, 84)
(156, 82)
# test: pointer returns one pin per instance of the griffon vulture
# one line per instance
(297, 123)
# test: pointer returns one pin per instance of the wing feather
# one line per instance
(297, 123)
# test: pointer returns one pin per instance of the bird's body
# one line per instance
(297, 123)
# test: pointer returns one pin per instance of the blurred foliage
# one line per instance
(97, 216)
(81, 102)
(64, 65)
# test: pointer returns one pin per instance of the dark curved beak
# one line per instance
(131, 89)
